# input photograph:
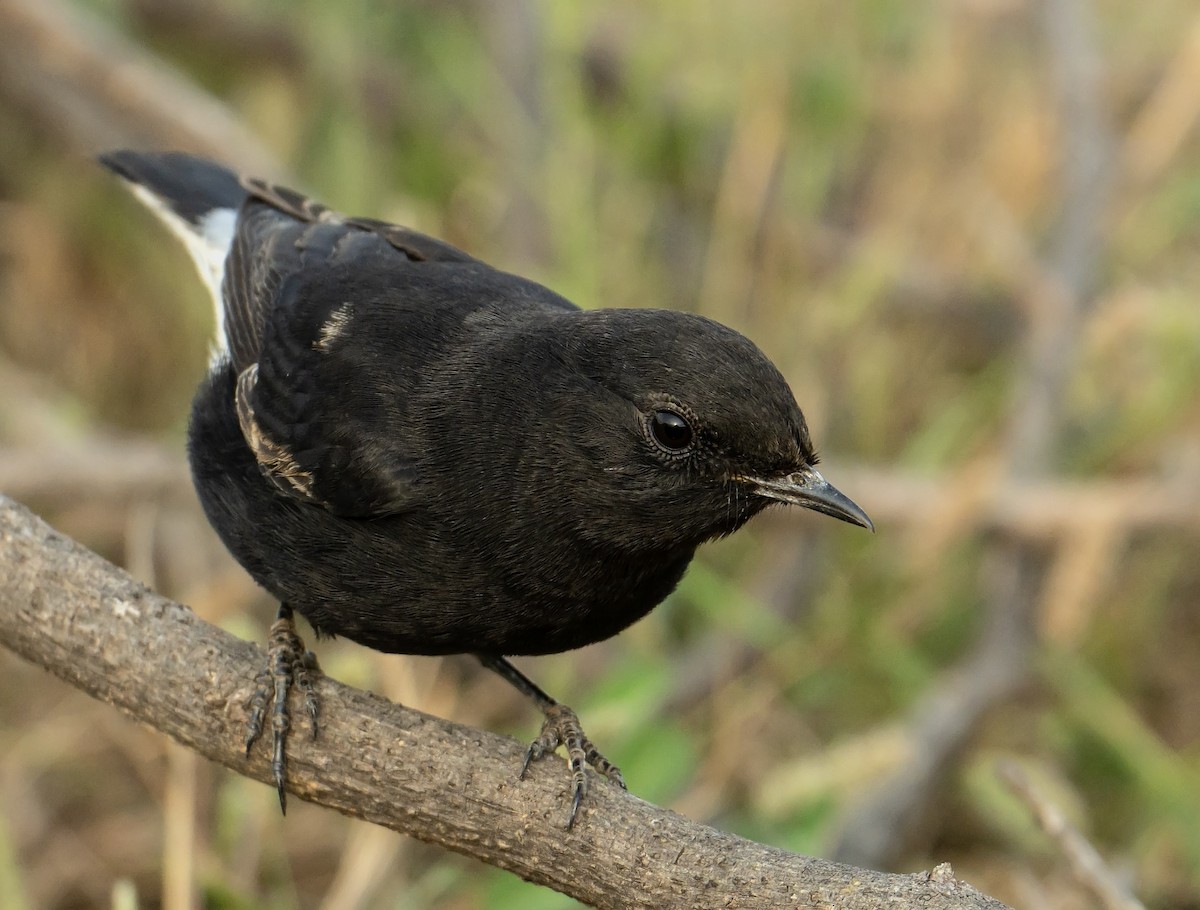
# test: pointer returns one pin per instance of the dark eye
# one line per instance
(671, 431)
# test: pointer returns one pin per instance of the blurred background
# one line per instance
(966, 230)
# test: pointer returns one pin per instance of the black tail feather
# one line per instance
(190, 186)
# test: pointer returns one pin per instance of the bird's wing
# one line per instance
(318, 403)
(315, 396)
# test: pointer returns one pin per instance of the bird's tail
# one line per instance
(198, 200)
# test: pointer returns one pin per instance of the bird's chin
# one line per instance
(740, 510)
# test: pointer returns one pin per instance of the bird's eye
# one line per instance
(671, 431)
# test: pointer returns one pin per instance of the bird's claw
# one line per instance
(288, 664)
(562, 728)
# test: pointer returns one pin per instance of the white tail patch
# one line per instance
(208, 242)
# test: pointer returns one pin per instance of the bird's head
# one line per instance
(686, 426)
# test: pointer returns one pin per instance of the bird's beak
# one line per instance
(809, 489)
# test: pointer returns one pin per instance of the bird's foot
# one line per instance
(288, 664)
(562, 728)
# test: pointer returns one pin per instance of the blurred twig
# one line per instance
(76, 76)
(882, 829)
(88, 622)
(1087, 865)
(223, 31)
(747, 190)
(1043, 511)
(1169, 114)
(514, 34)
(96, 468)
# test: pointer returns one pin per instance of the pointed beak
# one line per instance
(809, 489)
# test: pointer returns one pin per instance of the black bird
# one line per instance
(430, 456)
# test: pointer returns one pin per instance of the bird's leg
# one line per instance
(561, 727)
(288, 664)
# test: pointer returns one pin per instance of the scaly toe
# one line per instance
(562, 727)
(289, 666)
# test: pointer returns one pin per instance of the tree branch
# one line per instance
(88, 622)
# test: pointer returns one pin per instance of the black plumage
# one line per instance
(429, 456)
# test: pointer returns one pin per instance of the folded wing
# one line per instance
(311, 397)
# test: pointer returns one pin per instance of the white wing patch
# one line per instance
(334, 327)
(208, 243)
